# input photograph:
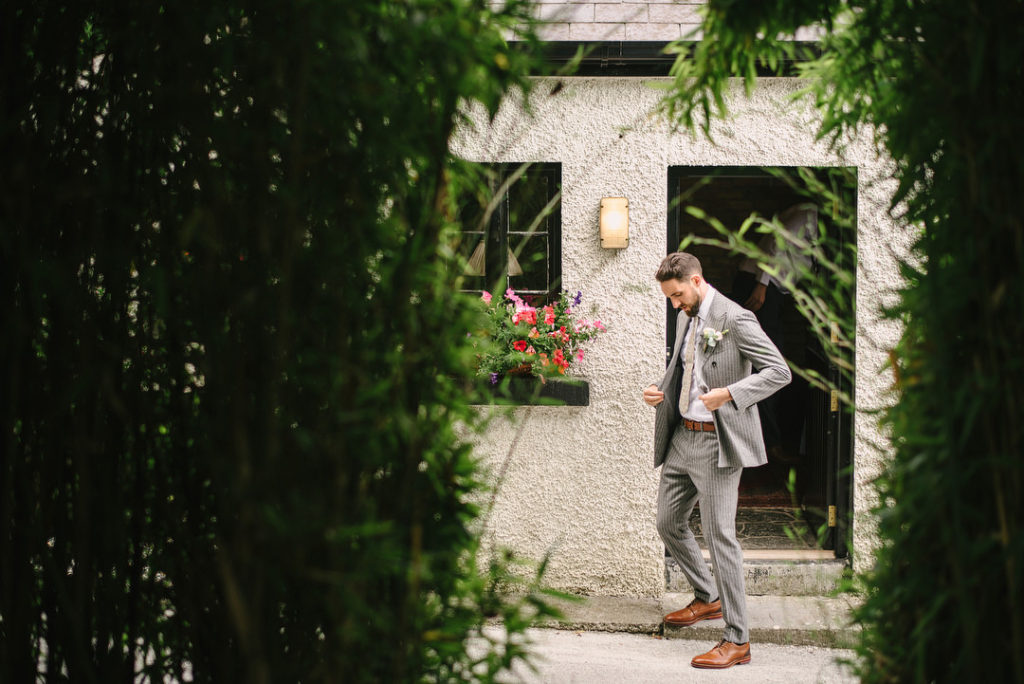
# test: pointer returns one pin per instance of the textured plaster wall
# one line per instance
(579, 481)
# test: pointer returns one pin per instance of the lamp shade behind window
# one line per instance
(475, 267)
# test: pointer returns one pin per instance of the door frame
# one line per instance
(838, 428)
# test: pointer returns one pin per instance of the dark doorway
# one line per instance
(806, 486)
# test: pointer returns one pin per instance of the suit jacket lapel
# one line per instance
(716, 319)
(685, 322)
(682, 320)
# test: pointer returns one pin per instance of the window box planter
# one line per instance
(530, 391)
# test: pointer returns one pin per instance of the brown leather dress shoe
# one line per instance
(725, 654)
(695, 612)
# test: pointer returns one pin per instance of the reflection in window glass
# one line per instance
(527, 221)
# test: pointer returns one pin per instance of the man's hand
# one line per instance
(716, 398)
(653, 396)
(756, 299)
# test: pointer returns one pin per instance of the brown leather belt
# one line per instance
(698, 426)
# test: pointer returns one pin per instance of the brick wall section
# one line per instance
(608, 20)
(627, 20)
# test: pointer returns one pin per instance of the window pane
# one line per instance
(527, 199)
(533, 260)
(528, 218)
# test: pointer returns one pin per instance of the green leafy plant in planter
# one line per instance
(520, 339)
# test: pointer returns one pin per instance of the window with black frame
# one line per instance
(512, 236)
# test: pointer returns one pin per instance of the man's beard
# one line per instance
(696, 307)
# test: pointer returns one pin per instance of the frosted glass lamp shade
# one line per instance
(614, 222)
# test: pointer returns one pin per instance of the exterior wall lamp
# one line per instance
(614, 222)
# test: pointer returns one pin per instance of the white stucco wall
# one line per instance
(579, 483)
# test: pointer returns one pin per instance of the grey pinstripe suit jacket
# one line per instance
(746, 362)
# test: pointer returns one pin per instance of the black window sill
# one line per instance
(530, 391)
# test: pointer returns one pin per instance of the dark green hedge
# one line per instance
(228, 337)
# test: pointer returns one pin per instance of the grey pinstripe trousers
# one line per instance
(691, 474)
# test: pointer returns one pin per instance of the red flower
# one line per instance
(527, 315)
(560, 361)
(519, 345)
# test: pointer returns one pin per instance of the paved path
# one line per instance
(568, 657)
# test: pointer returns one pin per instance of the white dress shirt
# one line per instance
(696, 409)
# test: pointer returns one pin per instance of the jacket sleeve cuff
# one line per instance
(740, 397)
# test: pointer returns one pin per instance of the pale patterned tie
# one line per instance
(691, 349)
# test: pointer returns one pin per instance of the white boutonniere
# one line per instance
(712, 337)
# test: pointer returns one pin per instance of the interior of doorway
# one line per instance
(782, 503)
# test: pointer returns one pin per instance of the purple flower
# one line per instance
(494, 378)
(577, 298)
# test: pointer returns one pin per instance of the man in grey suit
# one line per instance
(707, 429)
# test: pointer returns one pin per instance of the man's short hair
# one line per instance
(678, 266)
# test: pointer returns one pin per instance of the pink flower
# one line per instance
(599, 326)
(512, 296)
(486, 296)
(549, 315)
(579, 355)
(530, 350)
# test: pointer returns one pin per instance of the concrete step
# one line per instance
(775, 573)
(609, 614)
(793, 620)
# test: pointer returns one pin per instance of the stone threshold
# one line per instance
(796, 572)
(789, 620)
(783, 555)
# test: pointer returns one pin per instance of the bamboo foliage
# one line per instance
(232, 342)
(822, 284)
(936, 85)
